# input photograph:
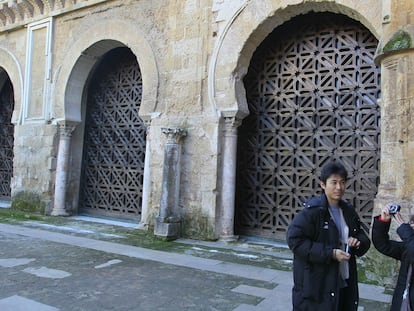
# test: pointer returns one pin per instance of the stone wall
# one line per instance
(35, 159)
(193, 57)
(395, 55)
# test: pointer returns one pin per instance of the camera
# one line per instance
(347, 248)
(393, 209)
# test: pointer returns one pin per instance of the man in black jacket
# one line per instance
(325, 237)
(401, 250)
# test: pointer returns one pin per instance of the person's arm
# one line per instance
(363, 245)
(381, 238)
(406, 233)
(358, 240)
(300, 238)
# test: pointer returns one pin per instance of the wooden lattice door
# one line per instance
(6, 137)
(114, 141)
(312, 90)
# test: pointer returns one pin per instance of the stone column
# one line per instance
(168, 223)
(62, 169)
(228, 188)
(397, 145)
(395, 54)
(147, 178)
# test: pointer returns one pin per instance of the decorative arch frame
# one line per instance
(70, 81)
(235, 46)
(229, 64)
(11, 66)
(83, 55)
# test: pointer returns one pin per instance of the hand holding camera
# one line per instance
(344, 255)
(392, 210)
(398, 219)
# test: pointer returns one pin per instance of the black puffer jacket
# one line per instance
(312, 236)
(400, 250)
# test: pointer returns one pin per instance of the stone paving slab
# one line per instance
(17, 303)
(79, 273)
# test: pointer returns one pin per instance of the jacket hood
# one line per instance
(322, 201)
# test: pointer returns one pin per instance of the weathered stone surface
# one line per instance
(193, 57)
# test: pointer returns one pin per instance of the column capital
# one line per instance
(64, 122)
(174, 134)
(232, 122)
(401, 41)
(66, 127)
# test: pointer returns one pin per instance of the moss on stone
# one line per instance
(400, 40)
(198, 227)
(28, 202)
(376, 268)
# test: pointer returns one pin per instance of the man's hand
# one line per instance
(398, 219)
(353, 242)
(340, 255)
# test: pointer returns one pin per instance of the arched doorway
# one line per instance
(6, 136)
(312, 90)
(114, 139)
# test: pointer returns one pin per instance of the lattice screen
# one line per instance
(114, 145)
(312, 90)
(6, 139)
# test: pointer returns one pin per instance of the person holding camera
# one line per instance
(403, 297)
(325, 237)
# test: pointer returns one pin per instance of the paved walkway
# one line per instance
(42, 270)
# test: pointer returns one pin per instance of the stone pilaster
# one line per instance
(396, 57)
(168, 223)
(66, 129)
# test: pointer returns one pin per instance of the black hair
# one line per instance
(333, 168)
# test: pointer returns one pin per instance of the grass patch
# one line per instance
(11, 215)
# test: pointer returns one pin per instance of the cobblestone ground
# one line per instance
(74, 278)
(44, 270)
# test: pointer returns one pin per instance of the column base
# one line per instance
(142, 226)
(166, 229)
(59, 212)
(228, 238)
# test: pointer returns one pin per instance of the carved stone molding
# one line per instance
(14, 14)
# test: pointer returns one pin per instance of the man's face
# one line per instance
(334, 188)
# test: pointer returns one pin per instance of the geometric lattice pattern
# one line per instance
(115, 138)
(312, 90)
(6, 139)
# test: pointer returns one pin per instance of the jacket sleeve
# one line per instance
(301, 238)
(406, 233)
(365, 242)
(382, 242)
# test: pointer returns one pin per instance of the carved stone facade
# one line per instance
(395, 55)
(192, 58)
